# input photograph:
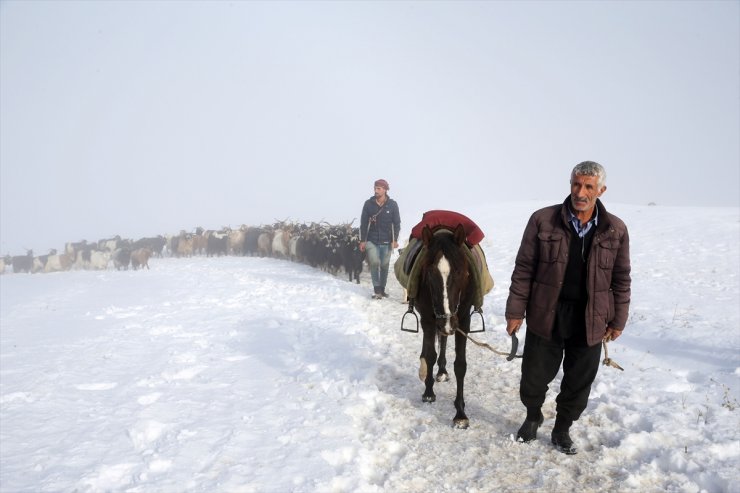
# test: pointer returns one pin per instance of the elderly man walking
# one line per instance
(571, 282)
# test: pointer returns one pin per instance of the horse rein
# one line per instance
(607, 361)
(514, 340)
(509, 356)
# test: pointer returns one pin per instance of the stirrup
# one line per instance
(410, 311)
(479, 311)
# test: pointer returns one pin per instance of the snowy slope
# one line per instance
(248, 374)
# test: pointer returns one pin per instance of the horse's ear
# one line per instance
(459, 235)
(426, 235)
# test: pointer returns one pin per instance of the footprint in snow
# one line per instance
(146, 432)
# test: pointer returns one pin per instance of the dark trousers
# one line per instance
(542, 359)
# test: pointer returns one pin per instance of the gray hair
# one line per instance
(590, 168)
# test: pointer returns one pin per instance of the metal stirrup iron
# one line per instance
(479, 311)
(410, 311)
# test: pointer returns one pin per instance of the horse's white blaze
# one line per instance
(444, 268)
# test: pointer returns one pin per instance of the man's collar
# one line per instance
(594, 215)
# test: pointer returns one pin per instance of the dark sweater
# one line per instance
(574, 283)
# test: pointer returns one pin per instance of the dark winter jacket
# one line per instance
(540, 266)
(380, 225)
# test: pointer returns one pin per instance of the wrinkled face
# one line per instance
(584, 191)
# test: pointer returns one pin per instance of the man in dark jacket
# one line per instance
(380, 224)
(571, 282)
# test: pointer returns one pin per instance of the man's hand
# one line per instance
(612, 334)
(513, 325)
(362, 246)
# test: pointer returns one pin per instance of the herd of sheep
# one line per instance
(320, 245)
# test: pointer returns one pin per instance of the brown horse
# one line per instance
(444, 300)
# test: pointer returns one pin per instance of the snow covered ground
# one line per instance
(261, 375)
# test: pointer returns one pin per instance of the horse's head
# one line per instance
(446, 276)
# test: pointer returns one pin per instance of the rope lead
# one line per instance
(607, 360)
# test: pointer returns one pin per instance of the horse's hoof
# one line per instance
(442, 377)
(428, 398)
(461, 424)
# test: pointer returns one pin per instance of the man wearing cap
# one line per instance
(380, 224)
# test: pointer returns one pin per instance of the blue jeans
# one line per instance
(378, 260)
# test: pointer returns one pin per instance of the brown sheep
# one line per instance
(140, 258)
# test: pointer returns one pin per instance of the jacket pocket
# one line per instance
(549, 246)
(607, 252)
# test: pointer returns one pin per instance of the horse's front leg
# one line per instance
(442, 375)
(461, 368)
(426, 365)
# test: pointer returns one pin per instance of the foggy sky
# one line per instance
(145, 118)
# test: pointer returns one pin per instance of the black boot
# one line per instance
(378, 294)
(561, 435)
(528, 431)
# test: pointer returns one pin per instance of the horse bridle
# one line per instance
(445, 316)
